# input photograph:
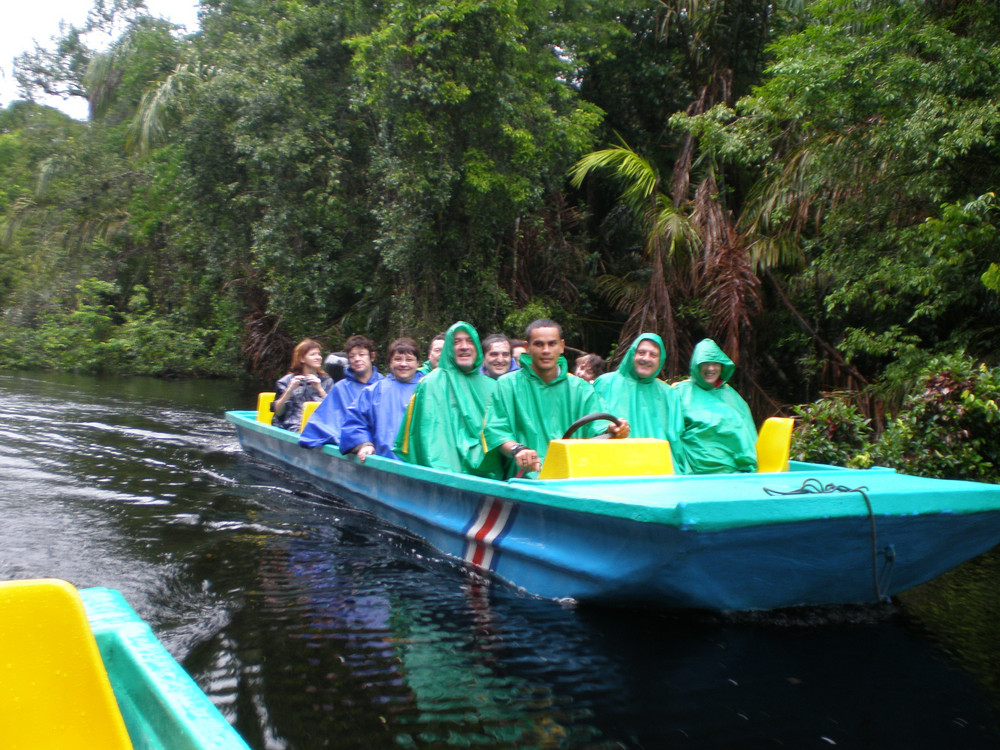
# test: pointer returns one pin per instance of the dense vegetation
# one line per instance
(812, 184)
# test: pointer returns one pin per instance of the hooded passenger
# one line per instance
(718, 434)
(442, 424)
(373, 420)
(325, 424)
(539, 402)
(635, 392)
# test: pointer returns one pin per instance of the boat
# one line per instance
(81, 670)
(611, 525)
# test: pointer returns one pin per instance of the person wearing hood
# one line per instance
(326, 422)
(538, 403)
(373, 420)
(443, 420)
(635, 392)
(718, 434)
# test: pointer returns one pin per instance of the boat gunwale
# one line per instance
(701, 513)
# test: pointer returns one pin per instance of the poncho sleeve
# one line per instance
(359, 422)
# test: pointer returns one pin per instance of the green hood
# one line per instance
(441, 426)
(708, 351)
(447, 360)
(627, 366)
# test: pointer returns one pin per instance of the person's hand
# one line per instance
(364, 451)
(528, 460)
(619, 430)
(310, 380)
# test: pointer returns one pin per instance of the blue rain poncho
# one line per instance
(649, 404)
(376, 415)
(442, 424)
(530, 411)
(718, 434)
(324, 425)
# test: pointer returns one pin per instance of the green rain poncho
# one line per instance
(649, 404)
(442, 424)
(718, 435)
(530, 411)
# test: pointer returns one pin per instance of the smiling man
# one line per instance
(635, 392)
(442, 423)
(497, 359)
(373, 420)
(538, 403)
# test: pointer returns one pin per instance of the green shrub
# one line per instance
(950, 426)
(831, 431)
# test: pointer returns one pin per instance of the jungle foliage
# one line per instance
(814, 184)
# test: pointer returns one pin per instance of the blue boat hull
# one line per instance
(712, 543)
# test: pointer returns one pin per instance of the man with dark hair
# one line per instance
(433, 353)
(442, 424)
(325, 424)
(373, 420)
(538, 403)
(497, 358)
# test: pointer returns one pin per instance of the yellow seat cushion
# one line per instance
(54, 689)
(264, 401)
(774, 443)
(568, 459)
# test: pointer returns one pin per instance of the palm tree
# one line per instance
(670, 243)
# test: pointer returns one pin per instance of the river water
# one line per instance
(313, 625)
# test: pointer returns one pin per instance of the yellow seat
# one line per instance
(307, 411)
(264, 401)
(774, 443)
(569, 459)
(54, 689)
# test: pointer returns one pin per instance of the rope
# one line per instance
(813, 486)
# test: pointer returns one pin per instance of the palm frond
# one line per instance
(638, 176)
(158, 105)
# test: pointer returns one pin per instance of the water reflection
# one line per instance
(312, 625)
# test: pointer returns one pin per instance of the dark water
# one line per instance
(313, 625)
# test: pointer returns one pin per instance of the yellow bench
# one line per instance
(54, 689)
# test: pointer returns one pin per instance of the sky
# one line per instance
(25, 23)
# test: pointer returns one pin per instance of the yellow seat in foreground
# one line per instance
(570, 459)
(54, 690)
(264, 401)
(774, 443)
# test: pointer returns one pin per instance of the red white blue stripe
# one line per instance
(485, 531)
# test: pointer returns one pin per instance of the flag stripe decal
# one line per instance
(487, 527)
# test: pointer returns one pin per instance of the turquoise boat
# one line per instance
(80, 670)
(803, 534)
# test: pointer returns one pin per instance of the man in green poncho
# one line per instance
(538, 402)
(718, 434)
(635, 392)
(442, 423)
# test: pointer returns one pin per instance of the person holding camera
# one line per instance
(306, 381)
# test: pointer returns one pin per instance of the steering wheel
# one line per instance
(587, 419)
